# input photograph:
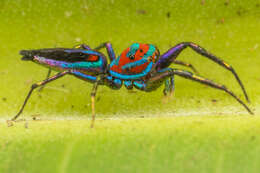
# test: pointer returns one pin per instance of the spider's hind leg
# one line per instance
(175, 61)
(155, 81)
(36, 85)
(170, 56)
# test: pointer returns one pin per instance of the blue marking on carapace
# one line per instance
(134, 47)
(115, 62)
(136, 76)
(134, 64)
(91, 78)
(150, 51)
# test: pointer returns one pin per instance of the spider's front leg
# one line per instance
(109, 48)
(107, 45)
(170, 56)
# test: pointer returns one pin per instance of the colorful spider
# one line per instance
(139, 66)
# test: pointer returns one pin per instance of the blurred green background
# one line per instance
(229, 30)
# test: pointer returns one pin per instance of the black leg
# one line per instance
(168, 57)
(189, 75)
(36, 85)
(175, 61)
(107, 45)
(48, 75)
(157, 80)
(110, 50)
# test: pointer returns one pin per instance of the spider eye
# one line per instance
(132, 57)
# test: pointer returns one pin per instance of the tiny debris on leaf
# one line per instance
(168, 14)
(35, 116)
(221, 21)
(9, 123)
(226, 3)
(214, 100)
(140, 11)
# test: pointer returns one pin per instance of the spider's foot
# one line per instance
(167, 96)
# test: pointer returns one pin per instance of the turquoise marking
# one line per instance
(82, 64)
(118, 81)
(109, 77)
(136, 76)
(91, 52)
(127, 83)
(173, 83)
(91, 78)
(139, 85)
(134, 64)
(115, 62)
(150, 51)
(164, 70)
(167, 85)
(134, 47)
